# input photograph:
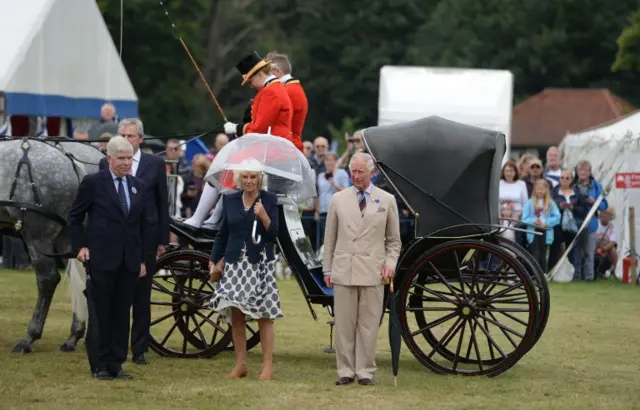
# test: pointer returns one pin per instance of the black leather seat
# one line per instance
(201, 236)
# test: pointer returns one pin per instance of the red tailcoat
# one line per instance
(300, 109)
(271, 107)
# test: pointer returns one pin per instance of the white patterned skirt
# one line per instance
(249, 287)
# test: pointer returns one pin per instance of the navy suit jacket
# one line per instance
(111, 238)
(237, 225)
(151, 170)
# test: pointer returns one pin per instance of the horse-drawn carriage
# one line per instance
(470, 302)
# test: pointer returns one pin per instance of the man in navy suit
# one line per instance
(150, 169)
(115, 246)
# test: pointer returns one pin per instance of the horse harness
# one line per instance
(23, 207)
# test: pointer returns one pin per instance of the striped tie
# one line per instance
(363, 202)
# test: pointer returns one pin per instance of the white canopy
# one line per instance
(482, 98)
(612, 148)
(57, 58)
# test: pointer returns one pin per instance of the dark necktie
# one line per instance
(363, 202)
(123, 197)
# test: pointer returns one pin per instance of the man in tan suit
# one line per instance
(361, 248)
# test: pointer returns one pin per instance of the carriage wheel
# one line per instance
(468, 307)
(539, 280)
(181, 291)
(254, 336)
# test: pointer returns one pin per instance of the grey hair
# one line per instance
(361, 156)
(279, 61)
(110, 105)
(119, 144)
(133, 121)
(237, 179)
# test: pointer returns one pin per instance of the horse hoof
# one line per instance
(22, 348)
(67, 347)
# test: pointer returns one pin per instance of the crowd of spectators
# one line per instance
(555, 202)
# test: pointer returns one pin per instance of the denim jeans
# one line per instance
(584, 256)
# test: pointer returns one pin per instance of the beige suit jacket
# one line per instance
(357, 247)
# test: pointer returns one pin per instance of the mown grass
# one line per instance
(588, 358)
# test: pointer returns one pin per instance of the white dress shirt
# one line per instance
(136, 162)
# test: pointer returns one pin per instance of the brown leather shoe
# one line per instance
(344, 381)
(365, 382)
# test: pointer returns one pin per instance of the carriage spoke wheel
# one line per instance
(539, 280)
(468, 307)
(182, 324)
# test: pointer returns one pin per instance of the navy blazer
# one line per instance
(237, 225)
(111, 237)
(151, 170)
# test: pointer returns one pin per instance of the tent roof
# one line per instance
(58, 59)
(612, 130)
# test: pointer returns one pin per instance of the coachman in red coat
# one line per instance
(281, 68)
(271, 107)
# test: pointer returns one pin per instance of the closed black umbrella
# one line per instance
(92, 341)
(394, 333)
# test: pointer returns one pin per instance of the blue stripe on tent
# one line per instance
(194, 148)
(61, 106)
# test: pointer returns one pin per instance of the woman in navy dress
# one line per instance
(247, 289)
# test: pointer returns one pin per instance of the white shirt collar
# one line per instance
(137, 155)
(271, 77)
(285, 78)
(114, 176)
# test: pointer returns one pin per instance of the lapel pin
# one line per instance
(134, 190)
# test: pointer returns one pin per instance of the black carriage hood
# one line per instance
(434, 159)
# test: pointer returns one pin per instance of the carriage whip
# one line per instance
(175, 30)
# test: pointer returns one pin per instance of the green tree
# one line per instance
(545, 43)
(337, 50)
(160, 72)
(628, 55)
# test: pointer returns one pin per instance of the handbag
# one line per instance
(218, 271)
(568, 222)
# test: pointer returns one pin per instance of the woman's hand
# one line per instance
(258, 210)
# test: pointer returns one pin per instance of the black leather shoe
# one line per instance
(344, 380)
(103, 375)
(140, 359)
(123, 376)
(365, 382)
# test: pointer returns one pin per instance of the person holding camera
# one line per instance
(333, 180)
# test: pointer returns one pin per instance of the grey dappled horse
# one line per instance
(56, 177)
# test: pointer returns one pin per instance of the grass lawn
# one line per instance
(588, 358)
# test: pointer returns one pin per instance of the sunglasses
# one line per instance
(534, 166)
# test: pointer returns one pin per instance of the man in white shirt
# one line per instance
(554, 168)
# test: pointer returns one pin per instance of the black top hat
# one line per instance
(250, 65)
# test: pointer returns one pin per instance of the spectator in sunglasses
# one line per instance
(535, 174)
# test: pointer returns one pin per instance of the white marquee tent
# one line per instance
(478, 97)
(611, 148)
(57, 58)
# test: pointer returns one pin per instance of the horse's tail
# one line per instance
(77, 283)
